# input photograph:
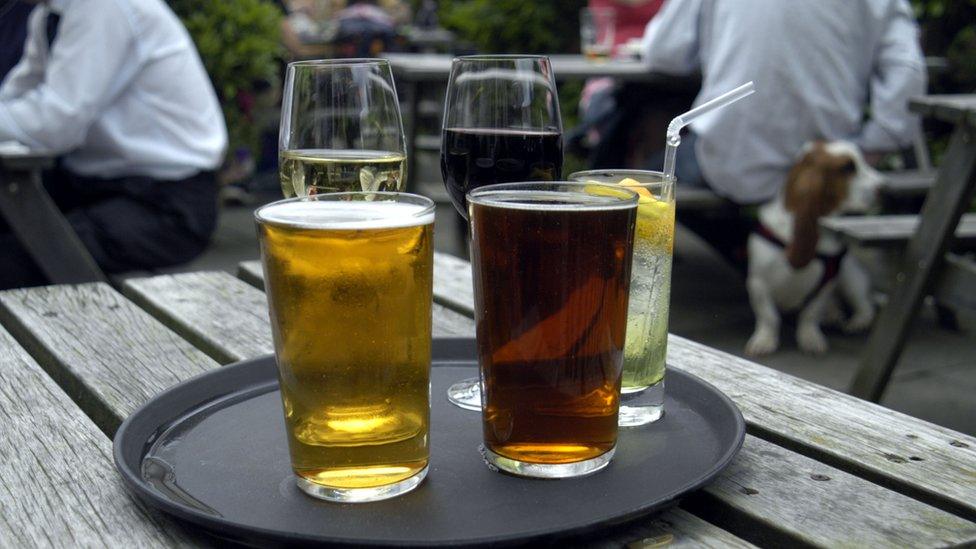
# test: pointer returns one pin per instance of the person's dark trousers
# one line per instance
(127, 223)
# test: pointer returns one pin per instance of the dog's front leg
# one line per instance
(765, 338)
(809, 336)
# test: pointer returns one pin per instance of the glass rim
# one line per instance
(501, 57)
(624, 172)
(428, 205)
(614, 200)
(347, 62)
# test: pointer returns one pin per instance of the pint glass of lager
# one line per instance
(349, 281)
(551, 268)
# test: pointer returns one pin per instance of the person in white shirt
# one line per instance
(119, 92)
(820, 67)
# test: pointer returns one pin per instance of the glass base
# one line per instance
(546, 470)
(641, 407)
(360, 495)
(466, 394)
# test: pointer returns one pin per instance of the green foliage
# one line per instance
(949, 30)
(240, 44)
(515, 26)
(520, 26)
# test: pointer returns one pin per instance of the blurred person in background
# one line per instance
(117, 90)
(830, 70)
(826, 70)
(615, 117)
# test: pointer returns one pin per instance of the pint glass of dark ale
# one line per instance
(551, 268)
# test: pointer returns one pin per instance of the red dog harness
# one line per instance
(831, 262)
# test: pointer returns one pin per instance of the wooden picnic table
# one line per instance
(818, 467)
(925, 265)
(37, 222)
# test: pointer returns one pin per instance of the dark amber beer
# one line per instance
(349, 283)
(551, 274)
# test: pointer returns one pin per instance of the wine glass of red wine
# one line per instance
(501, 125)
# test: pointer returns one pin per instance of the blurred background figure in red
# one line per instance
(620, 123)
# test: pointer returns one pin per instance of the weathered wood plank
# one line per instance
(453, 286)
(59, 486)
(251, 272)
(907, 182)
(775, 497)
(452, 281)
(852, 434)
(107, 354)
(674, 529)
(227, 318)
(890, 230)
(914, 457)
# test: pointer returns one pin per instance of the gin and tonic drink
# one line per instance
(642, 388)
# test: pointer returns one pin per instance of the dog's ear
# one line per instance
(815, 186)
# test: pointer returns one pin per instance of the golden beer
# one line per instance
(349, 282)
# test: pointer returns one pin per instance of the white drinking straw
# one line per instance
(674, 128)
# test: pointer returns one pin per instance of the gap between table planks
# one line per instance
(769, 500)
(59, 485)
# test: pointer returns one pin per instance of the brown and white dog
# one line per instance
(792, 266)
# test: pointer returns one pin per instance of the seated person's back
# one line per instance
(121, 93)
(817, 67)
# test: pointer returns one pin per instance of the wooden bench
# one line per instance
(890, 230)
(907, 183)
(924, 263)
(38, 223)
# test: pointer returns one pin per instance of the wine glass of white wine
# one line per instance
(340, 128)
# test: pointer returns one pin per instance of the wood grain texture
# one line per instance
(108, 355)
(910, 455)
(221, 315)
(674, 529)
(251, 272)
(915, 457)
(59, 487)
(776, 497)
(447, 322)
(453, 287)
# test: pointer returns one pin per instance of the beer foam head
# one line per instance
(346, 215)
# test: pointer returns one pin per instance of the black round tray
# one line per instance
(220, 461)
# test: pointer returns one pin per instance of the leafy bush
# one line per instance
(240, 44)
(515, 26)
(949, 30)
(519, 26)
